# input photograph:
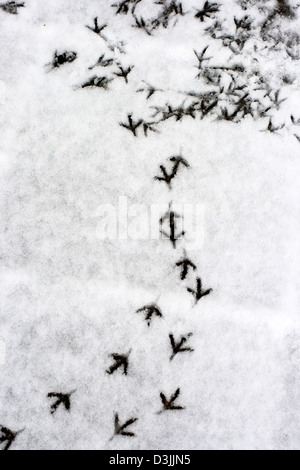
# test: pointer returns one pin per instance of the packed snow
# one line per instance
(222, 93)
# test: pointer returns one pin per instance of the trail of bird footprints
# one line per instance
(248, 94)
(121, 362)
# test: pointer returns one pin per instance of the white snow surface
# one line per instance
(68, 300)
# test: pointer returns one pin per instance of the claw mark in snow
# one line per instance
(177, 346)
(171, 218)
(61, 399)
(170, 404)
(185, 264)
(120, 429)
(121, 360)
(7, 436)
(198, 293)
(149, 311)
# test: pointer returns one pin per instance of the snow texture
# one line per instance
(216, 83)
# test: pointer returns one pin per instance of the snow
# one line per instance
(68, 299)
